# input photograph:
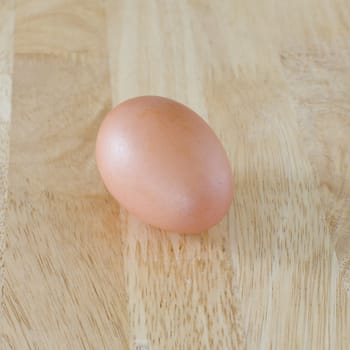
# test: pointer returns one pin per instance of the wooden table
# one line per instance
(272, 78)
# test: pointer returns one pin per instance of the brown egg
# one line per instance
(164, 164)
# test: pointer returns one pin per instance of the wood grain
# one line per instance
(169, 273)
(7, 12)
(272, 79)
(64, 286)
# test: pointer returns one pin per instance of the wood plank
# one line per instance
(182, 290)
(64, 286)
(7, 15)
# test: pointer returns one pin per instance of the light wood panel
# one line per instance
(64, 285)
(272, 79)
(192, 278)
(7, 11)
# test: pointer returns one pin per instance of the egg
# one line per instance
(164, 164)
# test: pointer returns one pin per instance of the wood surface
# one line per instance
(6, 61)
(272, 78)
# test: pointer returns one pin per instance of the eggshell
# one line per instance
(164, 164)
